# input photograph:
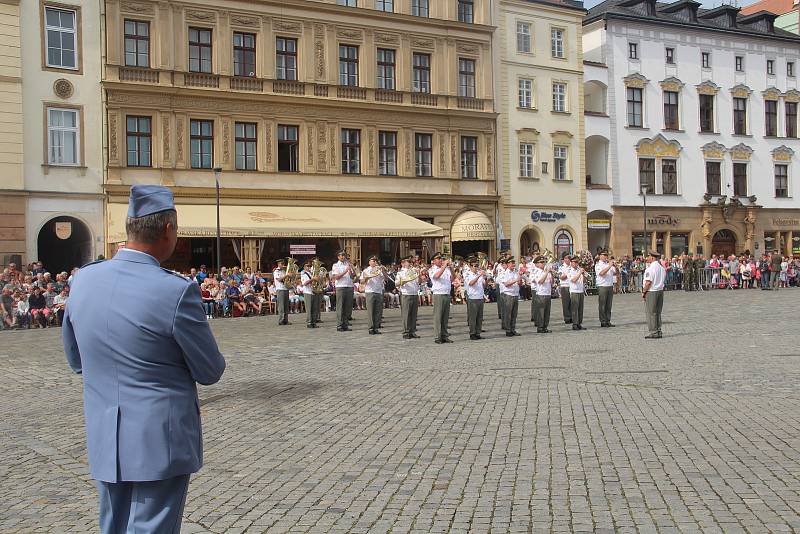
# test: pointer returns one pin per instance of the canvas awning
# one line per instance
(195, 220)
(472, 226)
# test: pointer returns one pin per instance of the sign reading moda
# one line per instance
(547, 216)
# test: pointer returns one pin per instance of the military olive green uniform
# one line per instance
(699, 266)
(688, 274)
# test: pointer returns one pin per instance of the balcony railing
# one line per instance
(289, 87)
(353, 93)
(470, 103)
(383, 95)
(199, 79)
(424, 99)
(320, 90)
(133, 74)
(240, 83)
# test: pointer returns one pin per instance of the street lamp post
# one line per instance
(217, 173)
(644, 218)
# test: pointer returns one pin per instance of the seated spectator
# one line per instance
(39, 311)
(359, 298)
(207, 297)
(59, 305)
(22, 310)
(49, 296)
(220, 298)
(234, 295)
(7, 315)
(296, 302)
(249, 298)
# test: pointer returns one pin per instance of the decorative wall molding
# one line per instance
(202, 16)
(741, 152)
(782, 153)
(137, 7)
(658, 146)
(63, 88)
(283, 25)
(672, 84)
(635, 80)
(707, 87)
(771, 93)
(241, 20)
(350, 33)
(741, 91)
(714, 150)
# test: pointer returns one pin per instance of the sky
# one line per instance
(706, 3)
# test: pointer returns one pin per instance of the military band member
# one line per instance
(699, 265)
(475, 281)
(653, 294)
(499, 269)
(563, 289)
(542, 284)
(529, 268)
(441, 275)
(509, 286)
(281, 292)
(374, 278)
(409, 297)
(306, 281)
(577, 286)
(605, 271)
(342, 274)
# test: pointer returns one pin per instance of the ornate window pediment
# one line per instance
(635, 80)
(741, 152)
(782, 153)
(707, 87)
(771, 93)
(713, 150)
(792, 95)
(672, 84)
(741, 91)
(658, 146)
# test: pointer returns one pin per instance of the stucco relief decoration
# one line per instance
(453, 152)
(310, 146)
(165, 135)
(467, 48)
(706, 224)
(771, 93)
(372, 149)
(792, 95)
(422, 43)
(179, 144)
(741, 91)
(635, 80)
(268, 143)
(63, 88)
(707, 88)
(136, 7)
(443, 152)
(226, 141)
(489, 157)
(332, 145)
(659, 146)
(319, 50)
(782, 153)
(205, 16)
(749, 224)
(387, 38)
(714, 150)
(409, 144)
(287, 26)
(346, 33)
(112, 136)
(322, 160)
(240, 20)
(741, 152)
(672, 84)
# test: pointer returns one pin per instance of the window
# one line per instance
(288, 148)
(771, 67)
(562, 243)
(635, 107)
(670, 56)
(714, 177)
(526, 160)
(423, 153)
(466, 11)
(385, 5)
(466, 77)
(420, 8)
(199, 50)
(422, 73)
(348, 65)
(351, 151)
(385, 68)
(669, 176)
(781, 181)
(523, 37)
(671, 121)
(707, 113)
(469, 157)
(137, 43)
(705, 59)
(244, 54)
(790, 69)
(633, 51)
(286, 58)
(63, 136)
(201, 135)
(387, 153)
(61, 36)
(560, 163)
(791, 119)
(740, 179)
(246, 142)
(348, 3)
(557, 42)
(138, 141)
(770, 118)
(740, 116)
(647, 175)
(739, 63)
(560, 97)
(525, 93)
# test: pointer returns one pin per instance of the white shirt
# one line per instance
(278, 275)
(545, 289)
(443, 284)
(657, 275)
(563, 269)
(498, 271)
(508, 276)
(577, 286)
(305, 277)
(476, 290)
(375, 284)
(606, 280)
(409, 288)
(341, 267)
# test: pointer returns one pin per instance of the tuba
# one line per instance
(292, 273)
(317, 270)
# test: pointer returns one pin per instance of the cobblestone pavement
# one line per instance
(595, 431)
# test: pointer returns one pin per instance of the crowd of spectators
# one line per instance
(32, 297)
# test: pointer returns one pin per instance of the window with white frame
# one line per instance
(633, 51)
(347, 3)
(61, 37)
(634, 107)
(420, 8)
(385, 5)
(466, 77)
(526, 160)
(469, 157)
(557, 42)
(669, 176)
(559, 97)
(63, 136)
(781, 181)
(525, 93)
(560, 163)
(523, 37)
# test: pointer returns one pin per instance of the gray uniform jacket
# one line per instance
(139, 336)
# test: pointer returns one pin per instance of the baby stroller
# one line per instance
(727, 281)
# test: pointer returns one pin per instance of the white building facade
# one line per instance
(699, 106)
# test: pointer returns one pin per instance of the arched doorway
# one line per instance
(723, 243)
(529, 242)
(63, 243)
(562, 243)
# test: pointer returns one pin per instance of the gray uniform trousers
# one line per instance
(475, 316)
(154, 506)
(654, 301)
(308, 300)
(317, 307)
(605, 298)
(374, 309)
(511, 306)
(409, 305)
(282, 298)
(565, 304)
(501, 304)
(441, 316)
(542, 314)
(344, 306)
(774, 279)
(576, 308)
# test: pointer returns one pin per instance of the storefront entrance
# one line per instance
(64, 243)
(723, 243)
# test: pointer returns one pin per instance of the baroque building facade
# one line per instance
(328, 125)
(541, 125)
(698, 108)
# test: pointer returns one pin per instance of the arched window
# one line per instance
(563, 243)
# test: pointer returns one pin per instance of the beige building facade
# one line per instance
(330, 126)
(541, 125)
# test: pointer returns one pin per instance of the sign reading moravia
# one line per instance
(786, 222)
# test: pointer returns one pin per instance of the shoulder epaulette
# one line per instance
(179, 275)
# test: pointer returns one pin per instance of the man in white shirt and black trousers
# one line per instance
(441, 275)
(563, 289)
(475, 282)
(653, 294)
(604, 272)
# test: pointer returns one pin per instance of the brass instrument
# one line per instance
(321, 274)
(412, 274)
(483, 261)
(292, 273)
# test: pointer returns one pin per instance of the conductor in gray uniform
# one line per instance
(141, 364)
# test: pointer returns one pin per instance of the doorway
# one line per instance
(724, 243)
(63, 243)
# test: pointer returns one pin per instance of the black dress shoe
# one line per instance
(575, 327)
(447, 341)
(546, 331)
(413, 336)
(339, 329)
(438, 341)
(473, 337)
(568, 322)
(580, 327)
(478, 336)
(609, 325)
(653, 336)
(311, 326)
(346, 329)
(482, 331)
(509, 334)
(377, 332)
(406, 336)
(603, 325)
(515, 333)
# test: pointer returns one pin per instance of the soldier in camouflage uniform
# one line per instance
(699, 265)
(688, 272)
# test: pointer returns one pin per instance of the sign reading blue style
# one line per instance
(546, 216)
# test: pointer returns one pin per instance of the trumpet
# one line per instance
(483, 261)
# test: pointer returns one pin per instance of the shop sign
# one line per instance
(786, 222)
(547, 216)
(599, 224)
(63, 229)
(302, 250)
(667, 220)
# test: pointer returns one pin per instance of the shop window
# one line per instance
(640, 243)
(562, 243)
(678, 244)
